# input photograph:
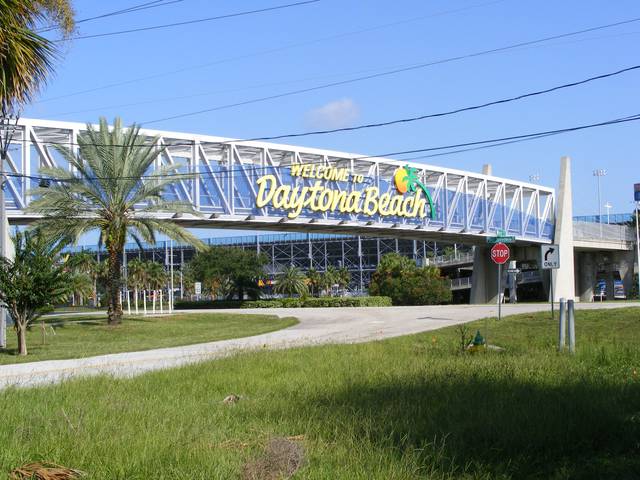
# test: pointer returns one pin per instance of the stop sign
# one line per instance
(500, 253)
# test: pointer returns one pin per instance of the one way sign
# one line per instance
(550, 256)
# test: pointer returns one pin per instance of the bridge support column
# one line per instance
(587, 276)
(484, 283)
(564, 277)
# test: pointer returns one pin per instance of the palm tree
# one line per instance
(84, 263)
(291, 280)
(329, 279)
(109, 188)
(137, 278)
(26, 58)
(314, 279)
(34, 279)
(343, 277)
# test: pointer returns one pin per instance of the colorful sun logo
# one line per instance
(401, 180)
(406, 180)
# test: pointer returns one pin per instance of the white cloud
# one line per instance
(336, 114)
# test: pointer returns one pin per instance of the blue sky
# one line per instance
(331, 40)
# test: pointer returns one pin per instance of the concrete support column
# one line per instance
(484, 283)
(587, 280)
(564, 277)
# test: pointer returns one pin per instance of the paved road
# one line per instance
(317, 326)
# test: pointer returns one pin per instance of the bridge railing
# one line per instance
(600, 232)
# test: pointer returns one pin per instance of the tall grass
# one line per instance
(411, 407)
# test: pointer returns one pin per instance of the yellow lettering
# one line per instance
(280, 197)
(370, 205)
(338, 198)
(265, 190)
(297, 201)
(296, 170)
(383, 203)
(395, 205)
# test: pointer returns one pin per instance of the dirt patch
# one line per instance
(282, 458)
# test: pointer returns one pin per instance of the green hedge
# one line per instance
(287, 303)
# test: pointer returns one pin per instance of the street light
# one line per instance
(599, 173)
(535, 178)
(608, 206)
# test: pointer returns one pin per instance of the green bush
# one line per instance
(287, 303)
(407, 284)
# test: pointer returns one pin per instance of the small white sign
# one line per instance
(197, 287)
(550, 256)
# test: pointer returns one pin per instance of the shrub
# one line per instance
(407, 284)
(287, 303)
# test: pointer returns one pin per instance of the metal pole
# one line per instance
(3, 247)
(562, 326)
(551, 285)
(638, 243)
(499, 293)
(171, 294)
(572, 325)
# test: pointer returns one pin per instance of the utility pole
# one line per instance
(638, 242)
(8, 127)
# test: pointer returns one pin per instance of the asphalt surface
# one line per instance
(317, 326)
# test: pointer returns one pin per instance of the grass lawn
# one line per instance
(74, 336)
(405, 408)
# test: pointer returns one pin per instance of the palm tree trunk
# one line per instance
(114, 311)
(95, 292)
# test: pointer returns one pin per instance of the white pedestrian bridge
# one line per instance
(258, 185)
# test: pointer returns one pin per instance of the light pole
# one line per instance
(535, 178)
(608, 206)
(599, 173)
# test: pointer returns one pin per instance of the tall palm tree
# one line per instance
(26, 58)
(291, 280)
(109, 188)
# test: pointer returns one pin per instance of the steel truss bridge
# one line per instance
(467, 206)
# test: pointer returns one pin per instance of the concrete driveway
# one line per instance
(317, 326)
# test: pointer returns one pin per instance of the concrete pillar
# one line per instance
(587, 279)
(564, 277)
(484, 282)
(487, 169)
(625, 262)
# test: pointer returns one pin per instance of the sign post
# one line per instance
(550, 255)
(500, 254)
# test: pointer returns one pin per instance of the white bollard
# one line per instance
(161, 311)
(135, 293)
(153, 309)
(128, 302)
(144, 301)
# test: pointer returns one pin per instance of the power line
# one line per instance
(450, 112)
(487, 143)
(392, 72)
(198, 20)
(263, 52)
(431, 115)
(134, 8)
